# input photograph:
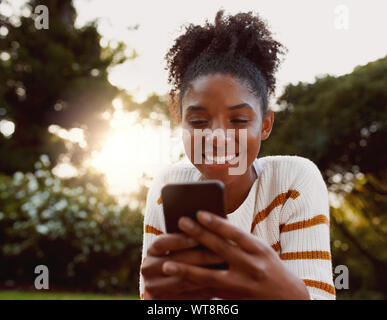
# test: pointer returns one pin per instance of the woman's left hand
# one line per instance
(255, 270)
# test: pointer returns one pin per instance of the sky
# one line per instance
(322, 37)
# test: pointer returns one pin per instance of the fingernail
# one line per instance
(205, 217)
(186, 223)
(169, 268)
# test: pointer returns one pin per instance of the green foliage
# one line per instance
(340, 123)
(54, 76)
(77, 230)
(359, 236)
(153, 104)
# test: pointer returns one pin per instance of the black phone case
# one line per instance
(186, 199)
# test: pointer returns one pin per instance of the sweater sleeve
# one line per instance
(304, 232)
(154, 224)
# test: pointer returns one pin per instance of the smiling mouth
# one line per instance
(210, 159)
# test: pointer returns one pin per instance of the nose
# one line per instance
(218, 135)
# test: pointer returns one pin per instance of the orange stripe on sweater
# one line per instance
(324, 255)
(320, 285)
(150, 229)
(320, 219)
(276, 246)
(278, 201)
(159, 200)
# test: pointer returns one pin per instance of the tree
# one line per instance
(338, 122)
(54, 76)
(73, 226)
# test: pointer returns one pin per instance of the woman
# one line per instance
(276, 235)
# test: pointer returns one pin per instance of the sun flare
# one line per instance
(134, 147)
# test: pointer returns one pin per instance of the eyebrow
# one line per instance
(193, 108)
(242, 105)
(238, 106)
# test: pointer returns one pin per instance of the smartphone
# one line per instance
(186, 199)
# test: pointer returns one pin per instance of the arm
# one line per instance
(304, 234)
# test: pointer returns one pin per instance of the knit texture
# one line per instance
(287, 208)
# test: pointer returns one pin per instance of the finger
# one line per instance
(170, 242)
(220, 246)
(226, 230)
(151, 267)
(197, 257)
(195, 274)
(152, 264)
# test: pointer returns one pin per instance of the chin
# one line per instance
(218, 175)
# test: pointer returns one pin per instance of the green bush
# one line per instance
(74, 227)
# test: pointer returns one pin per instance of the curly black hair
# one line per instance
(240, 45)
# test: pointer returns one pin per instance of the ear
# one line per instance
(267, 124)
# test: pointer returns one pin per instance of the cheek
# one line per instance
(191, 145)
(253, 146)
(188, 142)
(253, 142)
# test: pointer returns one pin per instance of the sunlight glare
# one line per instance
(132, 148)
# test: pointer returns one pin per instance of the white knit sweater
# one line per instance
(287, 208)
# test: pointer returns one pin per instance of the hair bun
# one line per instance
(242, 34)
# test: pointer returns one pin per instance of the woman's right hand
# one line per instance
(174, 247)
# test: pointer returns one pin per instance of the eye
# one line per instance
(197, 122)
(240, 120)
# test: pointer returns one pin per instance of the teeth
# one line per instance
(209, 158)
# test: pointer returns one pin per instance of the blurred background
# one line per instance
(83, 117)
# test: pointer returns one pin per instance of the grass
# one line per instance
(32, 295)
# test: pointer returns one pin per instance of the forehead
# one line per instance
(218, 89)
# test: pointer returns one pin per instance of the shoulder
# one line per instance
(295, 162)
(289, 172)
(297, 178)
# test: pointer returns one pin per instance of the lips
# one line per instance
(211, 159)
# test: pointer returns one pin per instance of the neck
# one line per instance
(237, 191)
